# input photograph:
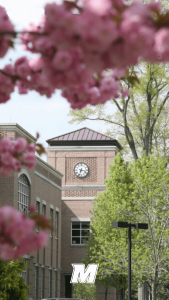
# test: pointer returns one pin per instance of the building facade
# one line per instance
(83, 156)
(40, 186)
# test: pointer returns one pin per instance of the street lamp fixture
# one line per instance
(129, 226)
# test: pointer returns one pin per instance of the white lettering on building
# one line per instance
(82, 275)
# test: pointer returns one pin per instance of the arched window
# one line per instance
(23, 193)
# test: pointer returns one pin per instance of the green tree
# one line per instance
(12, 284)
(134, 193)
(138, 121)
(84, 291)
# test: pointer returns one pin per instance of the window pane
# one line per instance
(85, 232)
(76, 225)
(51, 221)
(85, 225)
(75, 240)
(56, 224)
(23, 193)
(84, 240)
(75, 232)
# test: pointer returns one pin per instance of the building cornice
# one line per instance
(83, 187)
(70, 143)
(80, 219)
(16, 128)
(48, 180)
(82, 148)
(49, 167)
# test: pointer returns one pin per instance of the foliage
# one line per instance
(84, 291)
(138, 122)
(138, 193)
(12, 284)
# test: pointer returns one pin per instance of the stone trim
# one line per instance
(25, 172)
(49, 167)
(82, 148)
(80, 219)
(57, 209)
(38, 199)
(78, 198)
(83, 187)
(46, 267)
(48, 180)
(51, 206)
(16, 128)
(44, 202)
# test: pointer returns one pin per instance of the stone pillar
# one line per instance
(143, 292)
(31, 278)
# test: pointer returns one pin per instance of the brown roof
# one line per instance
(83, 136)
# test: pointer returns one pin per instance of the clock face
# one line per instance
(81, 170)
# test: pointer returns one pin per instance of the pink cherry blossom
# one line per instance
(31, 147)
(32, 208)
(62, 60)
(5, 25)
(20, 145)
(162, 42)
(99, 7)
(22, 68)
(76, 42)
(29, 159)
(14, 154)
(18, 235)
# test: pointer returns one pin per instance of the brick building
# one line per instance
(83, 156)
(40, 186)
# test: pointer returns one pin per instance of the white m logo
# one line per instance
(82, 275)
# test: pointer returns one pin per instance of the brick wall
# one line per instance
(70, 177)
(76, 193)
(98, 163)
(44, 189)
(74, 253)
(7, 134)
(7, 190)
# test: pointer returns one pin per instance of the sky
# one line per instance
(33, 112)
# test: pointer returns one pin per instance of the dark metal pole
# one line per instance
(129, 262)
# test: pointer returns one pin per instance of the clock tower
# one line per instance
(83, 156)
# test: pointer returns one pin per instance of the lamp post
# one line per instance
(129, 226)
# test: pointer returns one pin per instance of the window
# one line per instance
(23, 193)
(51, 221)
(43, 209)
(56, 224)
(43, 214)
(37, 207)
(80, 232)
(37, 211)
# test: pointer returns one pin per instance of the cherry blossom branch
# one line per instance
(18, 233)
(76, 48)
(14, 33)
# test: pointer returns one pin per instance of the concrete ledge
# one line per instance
(83, 187)
(78, 198)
